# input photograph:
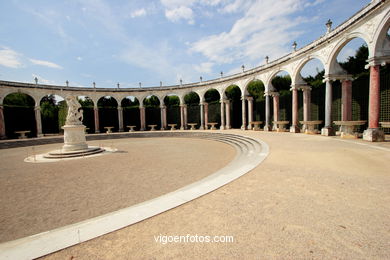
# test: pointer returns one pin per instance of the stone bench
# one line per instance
(347, 128)
(385, 124)
(109, 129)
(152, 127)
(131, 128)
(256, 125)
(309, 127)
(193, 126)
(22, 134)
(281, 126)
(212, 126)
(173, 126)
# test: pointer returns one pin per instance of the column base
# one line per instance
(39, 135)
(201, 128)
(294, 129)
(162, 129)
(327, 131)
(373, 135)
(228, 127)
(142, 129)
(268, 128)
(182, 128)
(243, 127)
(222, 127)
(3, 137)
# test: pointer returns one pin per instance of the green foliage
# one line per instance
(171, 101)
(191, 98)
(19, 100)
(256, 90)
(152, 101)
(86, 102)
(233, 92)
(317, 80)
(355, 64)
(127, 102)
(282, 84)
(107, 102)
(212, 95)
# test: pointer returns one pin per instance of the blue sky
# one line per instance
(107, 42)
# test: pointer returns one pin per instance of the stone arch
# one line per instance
(87, 104)
(214, 108)
(333, 67)
(297, 76)
(269, 87)
(233, 108)
(381, 40)
(19, 113)
(53, 113)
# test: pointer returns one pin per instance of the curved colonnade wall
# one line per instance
(370, 24)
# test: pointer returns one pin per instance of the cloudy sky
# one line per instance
(107, 42)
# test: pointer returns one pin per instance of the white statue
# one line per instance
(75, 113)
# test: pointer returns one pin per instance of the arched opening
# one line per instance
(282, 84)
(50, 109)
(108, 113)
(256, 89)
(352, 57)
(19, 114)
(152, 111)
(312, 72)
(384, 115)
(192, 101)
(172, 102)
(212, 98)
(88, 113)
(233, 93)
(131, 114)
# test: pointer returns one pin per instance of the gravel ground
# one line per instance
(43, 196)
(312, 198)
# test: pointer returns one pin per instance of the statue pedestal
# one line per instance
(74, 138)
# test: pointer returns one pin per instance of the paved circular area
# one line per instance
(43, 196)
(312, 198)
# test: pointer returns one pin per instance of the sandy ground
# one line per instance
(42, 196)
(313, 198)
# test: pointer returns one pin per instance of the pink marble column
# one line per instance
(206, 115)
(96, 117)
(250, 112)
(2, 124)
(201, 107)
(142, 118)
(373, 133)
(294, 124)
(275, 97)
(346, 100)
(38, 120)
(228, 124)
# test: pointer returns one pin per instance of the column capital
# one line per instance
(268, 93)
(294, 87)
(375, 61)
(334, 77)
(274, 94)
(249, 98)
(163, 106)
(305, 88)
(37, 108)
(243, 97)
(119, 108)
(183, 105)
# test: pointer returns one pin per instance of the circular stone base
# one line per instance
(58, 154)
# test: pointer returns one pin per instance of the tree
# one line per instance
(355, 64)
(256, 90)
(191, 98)
(233, 92)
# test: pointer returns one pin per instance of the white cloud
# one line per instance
(79, 58)
(205, 67)
(264, 29)
(138, 13)
(45, 63)
(180, 13)
(10, 58)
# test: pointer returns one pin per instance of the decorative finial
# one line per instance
(94, 85)
(243, 68)
(221, 74)
(181, 82)
(36, 80)
(294, 45)
(117, 85)
(329, 26)
(140, 84)
(67, 83)
(160, 83)
(266, 59)
(201, 78)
